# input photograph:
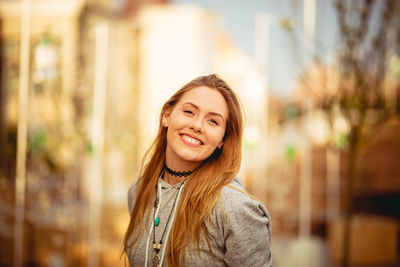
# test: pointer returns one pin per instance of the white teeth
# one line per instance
(191, 140)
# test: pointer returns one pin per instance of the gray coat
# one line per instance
(239, 231)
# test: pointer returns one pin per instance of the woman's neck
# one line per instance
(173, 179)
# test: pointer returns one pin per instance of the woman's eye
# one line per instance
(189, 112)
(214, 122)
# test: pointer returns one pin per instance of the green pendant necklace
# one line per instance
(157, 246)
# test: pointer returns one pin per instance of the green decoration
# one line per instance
(249, 146)
(46, 40)
(341, 140)
(290, 152)
(290, 112)
(90, 148)
(37, 140)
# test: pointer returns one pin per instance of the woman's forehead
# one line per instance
(206, 98)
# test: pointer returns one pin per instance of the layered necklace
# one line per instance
(158, 246)
(157, 259)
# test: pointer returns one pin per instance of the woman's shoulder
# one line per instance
(245, 226)
(235, 200)
(234, 189)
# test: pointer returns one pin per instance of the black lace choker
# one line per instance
(177, 174)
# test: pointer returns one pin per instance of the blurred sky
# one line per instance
(288, 55)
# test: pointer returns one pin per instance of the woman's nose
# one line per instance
(197, 125)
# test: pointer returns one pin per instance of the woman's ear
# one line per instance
(165, 117)
(220, 145)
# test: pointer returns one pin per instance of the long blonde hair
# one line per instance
(202, 189)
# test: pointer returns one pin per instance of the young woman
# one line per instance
(188, 208)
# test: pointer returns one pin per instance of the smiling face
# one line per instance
(196, 127)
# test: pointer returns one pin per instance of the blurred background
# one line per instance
(82, 83)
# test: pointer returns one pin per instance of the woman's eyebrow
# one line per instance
(212, 113)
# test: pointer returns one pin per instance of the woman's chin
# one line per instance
(191, 159)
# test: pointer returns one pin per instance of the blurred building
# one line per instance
(51, 197)
(376, 183)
